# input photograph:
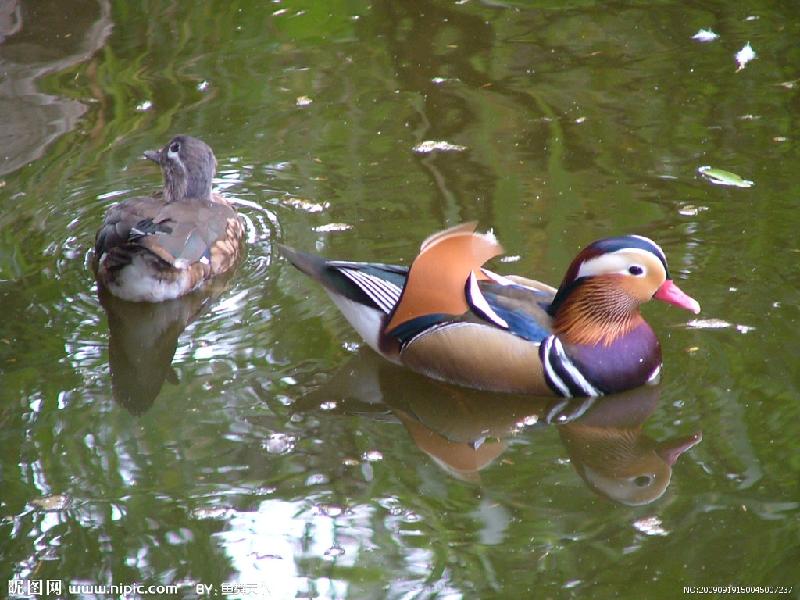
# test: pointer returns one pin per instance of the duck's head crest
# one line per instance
(632, 266)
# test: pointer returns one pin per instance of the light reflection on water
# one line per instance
(242, 436)
(268, 545)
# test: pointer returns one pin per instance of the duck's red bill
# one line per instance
(672, 294)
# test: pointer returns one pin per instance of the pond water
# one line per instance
(245, 437)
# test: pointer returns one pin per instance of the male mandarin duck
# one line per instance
(160, 247)
(448, 318)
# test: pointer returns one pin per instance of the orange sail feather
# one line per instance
(439, 273)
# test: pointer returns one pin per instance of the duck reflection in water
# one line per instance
(612, 454)
(464, 431)
(143, 338)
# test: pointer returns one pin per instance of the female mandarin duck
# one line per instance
(450, 319)
(160, 247)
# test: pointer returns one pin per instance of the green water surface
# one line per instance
(244, 436)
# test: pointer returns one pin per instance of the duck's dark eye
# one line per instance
(642, 480)
(174, 147)
(635, 270)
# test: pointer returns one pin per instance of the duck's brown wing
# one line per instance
(179, 234)
(188, 232)
(115, 231)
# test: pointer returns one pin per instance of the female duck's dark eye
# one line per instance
(635, 270)
(642, 480)
(174, 147)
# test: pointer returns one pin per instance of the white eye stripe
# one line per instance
(613, 262)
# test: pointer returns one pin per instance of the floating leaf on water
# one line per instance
(429, 146)
(690, 210)
(721, 177)
(718, 324)
(650, 526)
(303, 101)
(744, 56)
(55, 502)
(708, 324)
(332, 227)
(306, 205)
(705, 35)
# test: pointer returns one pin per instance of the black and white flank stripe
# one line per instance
(562, 375)
(477, 302)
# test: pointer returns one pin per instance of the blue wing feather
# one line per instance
(525, 315)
